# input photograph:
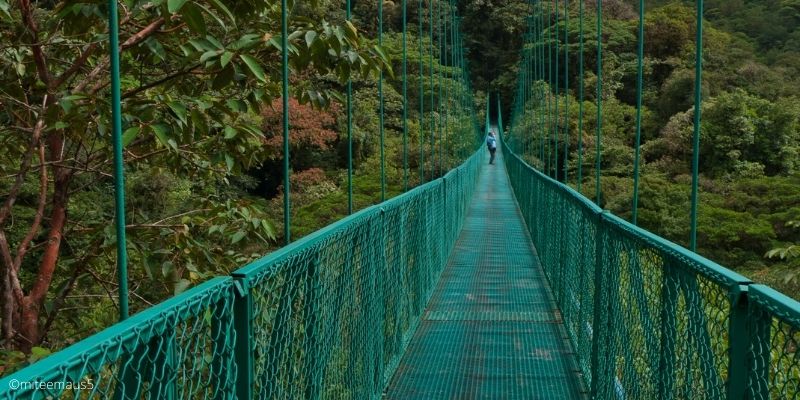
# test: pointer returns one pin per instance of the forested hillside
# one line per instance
(201, 87)
(750, 140)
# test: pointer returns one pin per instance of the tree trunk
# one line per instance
(28, 329)
(28, 323)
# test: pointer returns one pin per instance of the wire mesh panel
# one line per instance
(666, 315)
(773, 360)
(330, 315)
(182, 348)
(648, 318)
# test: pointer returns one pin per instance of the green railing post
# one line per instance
(243, 351)
(738, 345)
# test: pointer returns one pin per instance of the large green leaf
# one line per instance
(129, 135)
(223, 9)
(179, 109)
(161, 131)
(254, 66)
(193, 17)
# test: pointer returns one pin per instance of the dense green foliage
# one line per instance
(750, 132)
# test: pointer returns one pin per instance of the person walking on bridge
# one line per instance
(491, 143)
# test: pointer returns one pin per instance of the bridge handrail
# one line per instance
(640, 309)
(144, 347)
(330, 315)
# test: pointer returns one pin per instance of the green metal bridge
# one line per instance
(494, 281)
(489, 282)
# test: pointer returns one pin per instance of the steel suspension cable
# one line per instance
(119, 167)
(421, 101)
(599, 130)
(580, 97)
(566, 92)
(698, 98)
(380, 103)
(405, 96)
(349, 133)
(432, 90)
(287, 210)
(556, 130)
(439, 77)
(549, 89)
(443, 92)
(543, 106)
(638, 140)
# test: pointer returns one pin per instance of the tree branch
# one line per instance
(160, 81)
(60, 299)
(135, 39)
(36, 47)
(78, 64)
(37, 220)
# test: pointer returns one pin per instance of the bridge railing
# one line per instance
(328, 316)
(181, 348)
(649, 318)
(331, 314)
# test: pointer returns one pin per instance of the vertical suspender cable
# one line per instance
(453, 64)
(566, 92)
(380, 101)
(549, 90)
(421, 100)
(580, 97)
(405, 97)
(544, 105)
(439, 78)
(599, 132)
(433, 91)
(447, 88)
(349, 135)
(698, 98)
(287, 222)
(556, 131)
(119, 172)
(638, 140)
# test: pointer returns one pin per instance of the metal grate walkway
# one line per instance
(492, 329)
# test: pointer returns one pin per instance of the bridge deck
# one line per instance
(492, 329)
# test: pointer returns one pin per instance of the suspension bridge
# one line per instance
(486, 282)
